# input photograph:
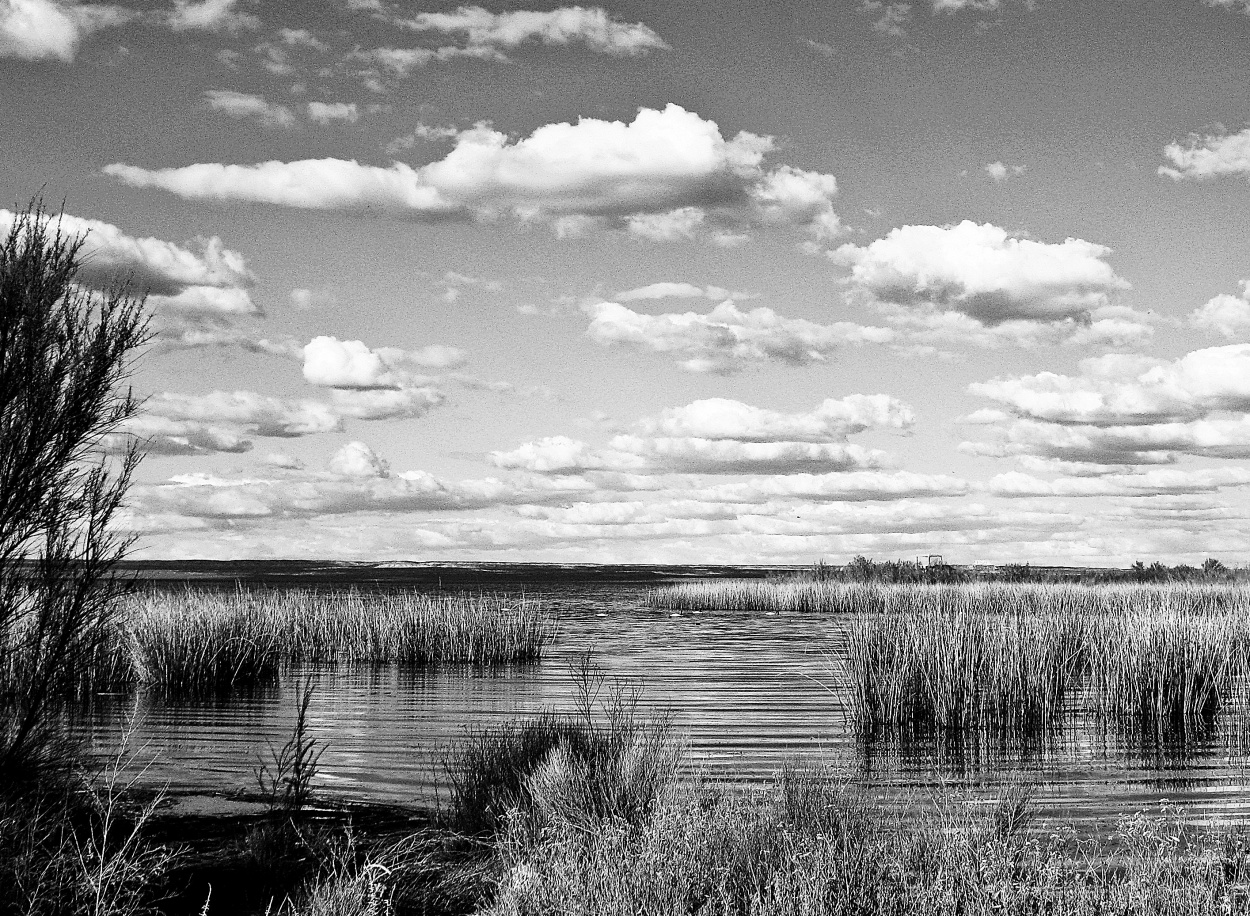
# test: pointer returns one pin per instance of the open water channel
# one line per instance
(748, 692)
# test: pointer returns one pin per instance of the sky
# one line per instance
(698, 282)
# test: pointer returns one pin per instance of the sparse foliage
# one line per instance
(65, 353)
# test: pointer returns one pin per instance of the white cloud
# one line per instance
(722, 436)
(356, 459)
(335, 363)
(1208, 156)
(955, 6)
(1000, 171)
(726, 338)
(1238, 5)
(1229, 315)
(386, 403)
(660, 164)
(209, 16)
(1118, 389)
(202, 276)
(671, 290)
(892, 18)
(983, 272)
(723, 418)
(560, 454)
(1154, 482)
(52, 29)
(1125, 410)
(251, 107)
(258, 414)
(302, 38)
(328, 112)
(588, 26)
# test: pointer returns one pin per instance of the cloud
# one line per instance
(1124, 410)
(302, 38)
(726, 339)
(50, 30)
(723, 418)
(723, 436)
(335, 363)
(1155, 482)
(956, 6)
(328, 112)
(202, 276)
(669, 290)
(1238, 5)
(356, 459)
(983, 272)
(892, 18)
(590, 27)
(386, 403)
(572, 176)
(1109, 326)
(1229, 315)
(999, 171)
(1115, 389)
(257, 414)
(1208, 156)
(209, 16)
(250, 107)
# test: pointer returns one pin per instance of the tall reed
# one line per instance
(201, 641)
(1017, 658)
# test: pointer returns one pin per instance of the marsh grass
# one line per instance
(201, 642)
(811, 844)
(602, 760)
(1018, 659)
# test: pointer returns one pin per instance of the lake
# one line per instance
(748, 692)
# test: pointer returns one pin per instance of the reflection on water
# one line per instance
(748, 692)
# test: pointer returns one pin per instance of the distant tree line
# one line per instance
(906, 572)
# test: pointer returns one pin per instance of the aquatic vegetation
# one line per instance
(202, 641)
(1016, 658)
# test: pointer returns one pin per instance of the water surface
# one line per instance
(749, 693)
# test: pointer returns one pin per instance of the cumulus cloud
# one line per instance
(249, 107)
(328, 112)
(891, 19)
(590, 27)
(51, 30)
(834, 418)
(1000, 171)
(202, 276)
(335, 363)
(1227, 314)
(356, 459)
(257, 414)
(1156, 482)
(672, 290)
(1116, 389)
(671, 168)
(1125, 410)
(723, 436)
(726, 339)
(386, 403)
(1208, 156)
(209, 16)
(983, 272)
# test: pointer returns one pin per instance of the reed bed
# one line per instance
(202, 642)
(1018, 659)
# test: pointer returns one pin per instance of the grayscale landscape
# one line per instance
(710, 458)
